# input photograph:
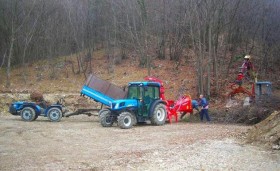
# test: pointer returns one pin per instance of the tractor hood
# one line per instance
(123, 104)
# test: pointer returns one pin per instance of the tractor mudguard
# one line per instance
(13, 110)
(154, 105)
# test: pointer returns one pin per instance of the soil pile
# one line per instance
(253, 114)
(267, 132)
(36, 96)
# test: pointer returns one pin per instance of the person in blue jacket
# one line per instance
(195, 105)
(204, 111)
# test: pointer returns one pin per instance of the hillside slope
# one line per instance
(56, 76)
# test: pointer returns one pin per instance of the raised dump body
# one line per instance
(102, 91)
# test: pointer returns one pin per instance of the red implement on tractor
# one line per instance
(259, 90)
(183, 104)
(245, 74)
(236, 87)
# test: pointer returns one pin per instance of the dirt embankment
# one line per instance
(267, 132)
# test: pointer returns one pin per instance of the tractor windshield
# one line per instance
(152, 92)
(139, 92)
(134, 92)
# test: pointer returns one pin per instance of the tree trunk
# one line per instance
(8, 83)
(209, 59)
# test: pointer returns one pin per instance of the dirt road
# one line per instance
(80, 143)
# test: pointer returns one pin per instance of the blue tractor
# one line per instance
(29, 111)
(141, 102)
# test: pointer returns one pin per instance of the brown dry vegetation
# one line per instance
(51, 76)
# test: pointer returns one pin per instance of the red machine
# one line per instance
(237, 88)
(183, 104)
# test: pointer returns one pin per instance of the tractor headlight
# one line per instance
(116, 106)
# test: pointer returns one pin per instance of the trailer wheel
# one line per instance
(28, 114)
(54, 114)
(106, 119)
(126, 120)
(159, 114)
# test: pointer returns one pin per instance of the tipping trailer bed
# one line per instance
(102, 91)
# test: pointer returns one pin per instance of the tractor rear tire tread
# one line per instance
(159, 114)
(106, 119)
(126, 120)
(28, 114)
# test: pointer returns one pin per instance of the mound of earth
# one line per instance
(267, 132)
(36, 96)
(254, 113)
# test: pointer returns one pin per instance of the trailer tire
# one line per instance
(159, 114)
(54, 114)
(126, 120)
(28, 114)
(106, 119)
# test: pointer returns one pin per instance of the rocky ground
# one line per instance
(80, 143)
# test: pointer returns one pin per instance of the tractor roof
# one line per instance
(145, 83)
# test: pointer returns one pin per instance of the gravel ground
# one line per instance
(80, 143)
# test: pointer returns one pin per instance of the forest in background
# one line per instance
(215, 33)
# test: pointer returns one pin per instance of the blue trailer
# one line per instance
(139, 103)
(29, 111)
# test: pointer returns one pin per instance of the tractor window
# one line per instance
(133, 92)
(152, 92)
(136, 92)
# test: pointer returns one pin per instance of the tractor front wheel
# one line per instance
(54, 114)
(126, 120)
(159, 114)
(106, 119)
(28, 114)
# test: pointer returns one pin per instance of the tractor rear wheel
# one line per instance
(126, 120)
(28, 114)
(54, 114)
(159, 114)
(106, 119)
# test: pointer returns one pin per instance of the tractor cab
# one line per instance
(263, 89)
(146, 93)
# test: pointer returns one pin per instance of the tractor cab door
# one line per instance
(136, 92)
(150, 94)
